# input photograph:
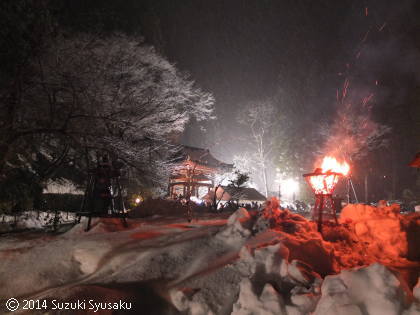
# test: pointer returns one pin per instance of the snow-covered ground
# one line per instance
(274, 264)
(34, 220)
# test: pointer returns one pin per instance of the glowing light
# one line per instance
(330, 164)
(137, 200)
(323, 184)
(196, 200)
(324, 179)
(289, 187)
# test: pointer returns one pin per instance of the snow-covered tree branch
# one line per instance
(114, 94)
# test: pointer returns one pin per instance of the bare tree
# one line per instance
(260, 118)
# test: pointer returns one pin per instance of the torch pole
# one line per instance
(320, 209)
(348, 190)
(354, 191)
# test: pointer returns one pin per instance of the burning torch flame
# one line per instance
(331, 164)
(325, 179)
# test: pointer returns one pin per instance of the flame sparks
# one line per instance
(324, 179)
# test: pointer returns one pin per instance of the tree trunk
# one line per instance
(3, 157)
(265, 181)
(214, 205)
(4, 152)
(262, 161)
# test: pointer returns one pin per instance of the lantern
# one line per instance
(323, 182)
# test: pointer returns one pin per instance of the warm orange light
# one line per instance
(330, 164)
(324, 179)
(324, 183)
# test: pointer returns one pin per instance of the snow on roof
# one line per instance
(62, 186)
(201, 156)
(245, 193)
(226, 193)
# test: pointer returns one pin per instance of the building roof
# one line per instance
(245, 193)
(227, 193)
(201, 156)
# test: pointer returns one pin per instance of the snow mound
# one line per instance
(379, 227)
(269, 279)
(99, 226)
(268, 216)
(262, 224)
(270, 302)
(34, 220)
(183, 303)
(304, 300)
(299, 236)
(211, 268)
(416, 290)
(240, 215)
(415, 307)
(266, 264)
(372, 290)
(235, 233)
(88, 255)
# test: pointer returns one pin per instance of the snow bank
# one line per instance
(240, 215)
(235, 233)
(415, 307)
(206, 268)
(269, 302)
(273, 280)
(380, 228)
(34, 220)
(373, 290)
(300, 237)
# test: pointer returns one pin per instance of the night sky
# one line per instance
(245, 51)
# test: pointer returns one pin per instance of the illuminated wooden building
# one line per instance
(195, 173)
